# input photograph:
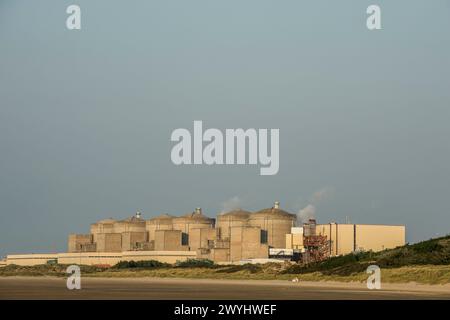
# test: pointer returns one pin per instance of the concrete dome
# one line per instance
(132, 219)
(197, 215)
(161, 222)
(104, 221)
(161, 217)
(273, 213)
(238, 214)
(275, 223)
(102, 226)
(193, 220)
(132, 224)
(234, 218)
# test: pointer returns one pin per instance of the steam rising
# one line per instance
(309, 212)
(231, 204)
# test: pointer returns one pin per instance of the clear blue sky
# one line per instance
(86, 116)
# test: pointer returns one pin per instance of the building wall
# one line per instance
(162, 256)
(294, 241)
(187, 227)
(152, 226)
(201, 238)
(90, 258)
(220, 254)
(379, 237)
(109, 242)
(97, 228)
(225, 223)
(341, 237)
(99, 258)
(236, 238)
(75, 242)
(30, 259)
(345, 238)
(166, 240)
(276, 229)
(130, 239)
(245, 243)
(126, 226)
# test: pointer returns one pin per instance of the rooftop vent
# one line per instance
(277, 205)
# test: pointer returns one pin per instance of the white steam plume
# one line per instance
(231, 204)
(309, 212)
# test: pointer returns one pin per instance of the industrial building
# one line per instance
(237, 235)
(234, 237)
(319, 241)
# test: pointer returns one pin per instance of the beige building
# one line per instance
(238, 235)
(169, 240)
(99, 258)
(294, 240)
(347, 238)
(274, 223)
(247, 243)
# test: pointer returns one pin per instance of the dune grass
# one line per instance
(424, 274)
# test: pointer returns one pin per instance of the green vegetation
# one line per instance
(251, 268)
(56, 270)
(153, 264)
(342, 265)
(149, 264)
(195, 263)
(424, 262)
(430, 252)
(434, 252)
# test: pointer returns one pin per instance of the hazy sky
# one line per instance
(86, 116)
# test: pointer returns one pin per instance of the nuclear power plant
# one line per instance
(237, 236)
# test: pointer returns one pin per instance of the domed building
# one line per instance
(239, 234)
(132, 224)
(133, 232)
(227, 220)
(161, 222)
(102, 226)
(194, 220)
(275, 223)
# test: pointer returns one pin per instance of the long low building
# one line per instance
(347, 238)
(98, 258)
(3, 263)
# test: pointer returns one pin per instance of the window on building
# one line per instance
(184, 239)
(264, 236)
